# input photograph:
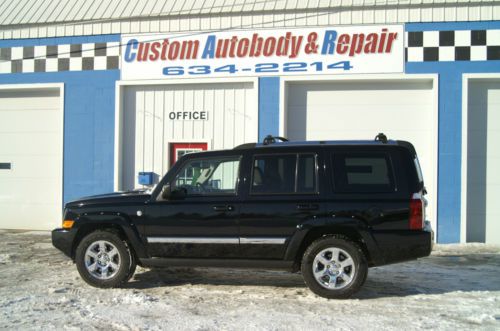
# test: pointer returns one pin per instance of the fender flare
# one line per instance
(340, 225)
(112, 219)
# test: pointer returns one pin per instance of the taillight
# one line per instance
(416, 212)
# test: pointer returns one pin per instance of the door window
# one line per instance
(178, 150)
(363, 173)
(284, 174)
(208, 176)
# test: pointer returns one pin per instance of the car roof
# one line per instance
(318, 143)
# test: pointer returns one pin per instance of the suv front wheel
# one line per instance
(334, 268)
(104, 260)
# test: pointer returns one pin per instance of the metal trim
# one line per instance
(192, 240)
(262, 241)
(218, 240)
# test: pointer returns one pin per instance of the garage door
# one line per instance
(402, 109)
(30, 159)
(157, 117)
(483, 162)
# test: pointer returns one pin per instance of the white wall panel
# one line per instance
(147, 130)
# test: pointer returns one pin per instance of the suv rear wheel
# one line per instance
(334, 268)
(104, 260)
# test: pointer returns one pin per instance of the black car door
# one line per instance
(281, 193)
(201, 221)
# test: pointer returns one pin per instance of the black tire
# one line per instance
(357, 272)
(118, 276)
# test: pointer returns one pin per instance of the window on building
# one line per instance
(363, 173)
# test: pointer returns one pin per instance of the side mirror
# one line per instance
(166, 192)
(177, 193)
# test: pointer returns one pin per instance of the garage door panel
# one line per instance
(29, 120)
(360, 110)
(30, 143)
(28, 190)
(31, 140)
(30, 166)
(369, 99)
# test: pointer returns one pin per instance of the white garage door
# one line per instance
(402, 109)
(155, 117)
(483, 162)
(30, 158)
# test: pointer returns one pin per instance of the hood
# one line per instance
(136, 196)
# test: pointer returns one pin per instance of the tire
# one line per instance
(334, 268)
(104, 260)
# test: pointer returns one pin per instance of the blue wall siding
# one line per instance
(89, 119)
(450, 124)
(269, 106)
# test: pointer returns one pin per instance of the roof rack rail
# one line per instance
(245, 146)
(381, 137)
(270, 139)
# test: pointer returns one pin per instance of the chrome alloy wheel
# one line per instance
(102, 260)
(333, 268)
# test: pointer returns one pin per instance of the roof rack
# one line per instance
(381, 137)
(270, 139)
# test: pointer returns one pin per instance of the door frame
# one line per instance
(48, 86)
(434, 78)
(171, 145)
(120, 87)
(466, 78)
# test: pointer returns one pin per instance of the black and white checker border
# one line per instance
(56, 58)
(459, 45)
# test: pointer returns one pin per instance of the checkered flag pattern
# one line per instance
(67, 57)
(466, 45)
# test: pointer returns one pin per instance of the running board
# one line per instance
(218, 263)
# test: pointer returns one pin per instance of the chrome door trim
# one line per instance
(218, 240)
(193, 240)
(263, 241)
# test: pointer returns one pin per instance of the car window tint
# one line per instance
(306, 174)
(208, 176)
(274, 174)
(363, 173)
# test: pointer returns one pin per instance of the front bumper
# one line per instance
(63, 240)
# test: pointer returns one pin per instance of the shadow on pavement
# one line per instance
(431, 275)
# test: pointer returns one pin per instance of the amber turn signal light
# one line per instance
(67, 224)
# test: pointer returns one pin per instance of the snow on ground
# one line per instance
(457, 287)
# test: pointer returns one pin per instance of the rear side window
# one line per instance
(363, 173)
(284, 174)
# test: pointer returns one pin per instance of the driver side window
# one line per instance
(208, 176)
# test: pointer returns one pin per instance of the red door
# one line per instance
(179, 149)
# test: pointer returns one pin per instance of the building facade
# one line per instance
(92, 93)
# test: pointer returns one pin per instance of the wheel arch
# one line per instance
(348, 232)
(124, 228)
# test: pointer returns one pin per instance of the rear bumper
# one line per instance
(405, 245)
(63, 240)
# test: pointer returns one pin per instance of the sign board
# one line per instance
(277, 52)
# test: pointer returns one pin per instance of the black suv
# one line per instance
(329, 209)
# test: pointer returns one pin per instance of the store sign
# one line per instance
(188, 115)
(331, 50)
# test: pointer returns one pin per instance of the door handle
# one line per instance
(307, 206)
(223, 208)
